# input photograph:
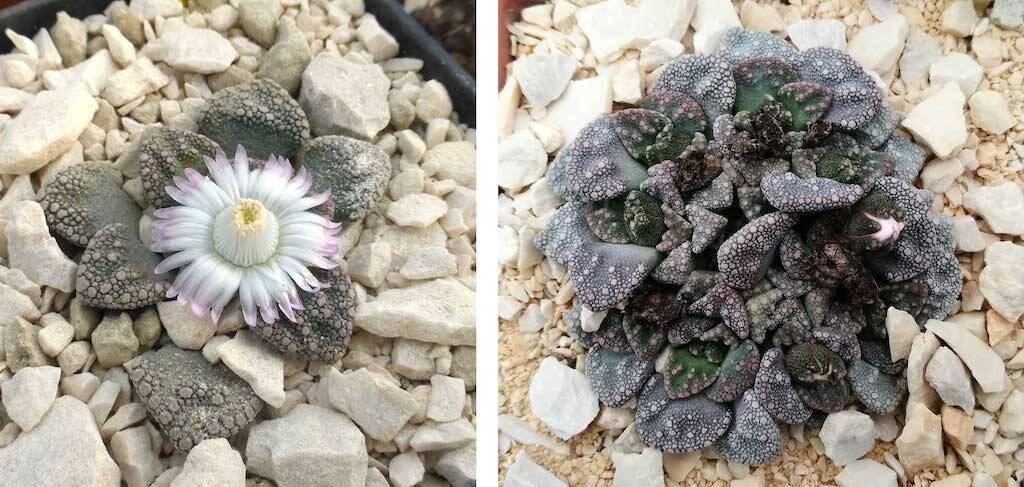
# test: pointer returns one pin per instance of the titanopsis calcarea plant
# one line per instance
(736, 241)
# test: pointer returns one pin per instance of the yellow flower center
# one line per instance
(249, 216)
(245, 234)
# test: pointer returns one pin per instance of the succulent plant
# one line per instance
(190, 398)
(735, 241)
(164, 153)
(116, 271)
(258, 115)
(86, 197)
(323, 327)
(355, 172)
(261, 228)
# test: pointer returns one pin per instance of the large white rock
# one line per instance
(429, 263)
(614, 26)
(369, 264)
(920, 444)
(521, 161)
(973, 322)
(987, 49)
(45, 128)
(1008, 14)
(957, 67)
(627, 80)
(64, 449)
(847, 436)
(151, 9)
(447, 398)
(1002, 279)
(15, 305)
(458, 466)
(17, 280)
(877, 47)
(28, 395)
(258, 364)
(986, 366)
(345, 98)
(660, 52)
(1011, 415)
(373, 401)
(434, 436)
(133, 452)
(186, 330)
(968, 237)
(378, 42)
(525, 473)
(13, 100)
(902, 330)
(990, 110)
(212, 462)
(406, 469)
(939, 174)
(866, 472)
(193, 50)
(455, 160)
(31, 249)
(959, 18)
(138, 79)
(94, 72)
(918, 389)
(310, 447)
(921, 51)
(949, 377)
(1000, 206)
(436, 311)
(938, 121)
(759, 17)
(543, 77)
(561, 398)
(583, 101)
(711, 19)
(643, 469)
(809, 33)
(121, 49)
(520, 431)
(416, 210)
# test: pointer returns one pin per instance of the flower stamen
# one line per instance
(249, 216)
(246, 234)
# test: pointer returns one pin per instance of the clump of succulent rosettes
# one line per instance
(736, 241)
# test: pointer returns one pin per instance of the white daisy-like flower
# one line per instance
(245, 231)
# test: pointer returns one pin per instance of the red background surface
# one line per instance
(8, 3)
